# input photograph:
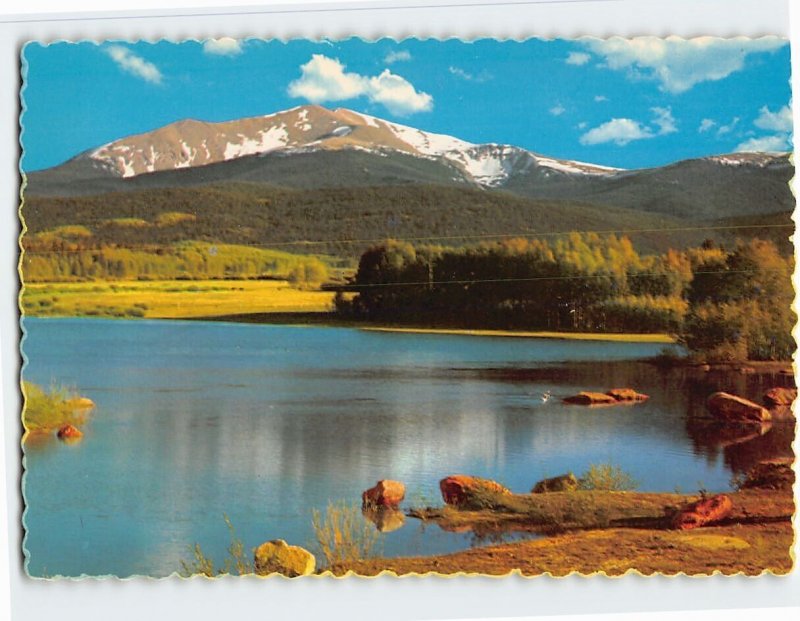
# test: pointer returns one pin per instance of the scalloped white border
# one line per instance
(388, 599)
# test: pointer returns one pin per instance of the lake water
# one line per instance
(197, 420)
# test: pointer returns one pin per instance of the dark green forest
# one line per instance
(726, 304)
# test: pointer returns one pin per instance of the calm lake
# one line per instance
(197, 420)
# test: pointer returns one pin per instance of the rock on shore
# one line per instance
(278, 557)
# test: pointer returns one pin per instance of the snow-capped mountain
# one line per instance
(190, 143)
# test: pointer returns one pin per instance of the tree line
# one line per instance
(724, 303)
(49, 258)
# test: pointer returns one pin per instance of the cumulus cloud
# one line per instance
(600, 98)
(224, 46)
(765, 144)
(577, 58)
(679, 64)
(396, 57)
(325, 79)
(557, 110)
(706, 125)
(622, 131)
(618, 131)
(133, 64)
(778, 122)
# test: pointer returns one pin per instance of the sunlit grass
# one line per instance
(45, 411)
(170, 299)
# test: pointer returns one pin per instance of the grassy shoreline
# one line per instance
(757, 537)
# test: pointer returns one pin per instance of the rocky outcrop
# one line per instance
(563, 483)
(702, 513)
(466, 491)
(772, 474)
(626, 394)
(278, 557)
(590, 398)
(733, 409)
(385, 493)
(780, 396)
(69, 432)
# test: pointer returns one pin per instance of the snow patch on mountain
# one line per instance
(270, 139)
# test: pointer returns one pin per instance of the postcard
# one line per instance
(350, 307)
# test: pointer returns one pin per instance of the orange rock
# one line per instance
(386, 493)
(703, 512)
(69, 432)
(464, 490)
(733, 409)
(590, 398)
(780, 396)
(626, 394)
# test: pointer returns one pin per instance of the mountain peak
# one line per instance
(190, 143)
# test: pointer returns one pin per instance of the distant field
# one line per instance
(166, 299)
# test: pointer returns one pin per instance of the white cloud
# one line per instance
(397, 95)
(678, 64)
(557, 110)
(224, 46)
(622, 131)
(706, 125)
(778, 121)
(727, 129)
(396, 57)
(577, 58)
(133, 64)
(583, 125)
(766, 144)
(664, 121)
(483, 76)
(325, 79)
(600, 98)
(618, 131)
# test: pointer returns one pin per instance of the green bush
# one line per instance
(607, 477)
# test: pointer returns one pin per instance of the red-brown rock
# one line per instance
(774, 474)
(733, 409)
(562, 483)
(626, 394)
(386, 493)
(590, 398)
(703, 512)
(462, 490)
(69, 432)
(780, 396)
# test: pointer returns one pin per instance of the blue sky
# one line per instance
(618, 102)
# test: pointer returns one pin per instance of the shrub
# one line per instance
(46, 411)
(236, 561)
(343, 534)
(607, 477)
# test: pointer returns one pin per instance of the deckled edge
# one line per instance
(384, 573)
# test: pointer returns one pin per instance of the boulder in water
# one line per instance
(385, 493)
(733, 409)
